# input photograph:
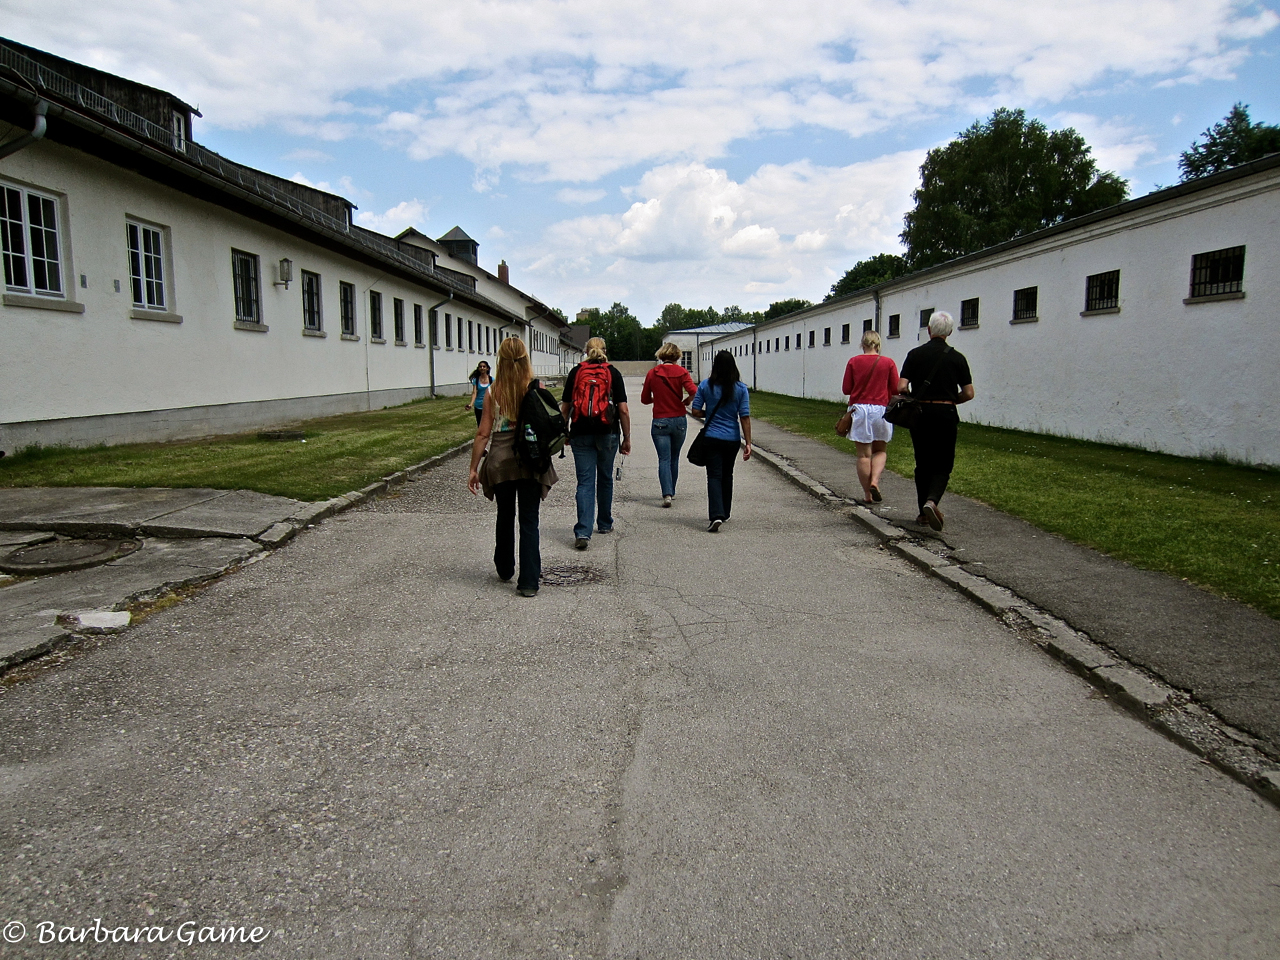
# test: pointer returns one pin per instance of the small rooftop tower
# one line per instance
(461, 246)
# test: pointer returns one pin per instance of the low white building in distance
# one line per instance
(1150, 324)
(155, 290)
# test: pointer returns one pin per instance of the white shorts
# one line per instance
(869, 424)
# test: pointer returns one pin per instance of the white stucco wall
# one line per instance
(1189, 379)
(101, 362)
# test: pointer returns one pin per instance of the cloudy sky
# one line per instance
(707, 152)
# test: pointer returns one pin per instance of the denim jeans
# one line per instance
(668, 437)
(593, 462)
(529, 493)
(721, 456)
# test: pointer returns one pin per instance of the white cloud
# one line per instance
(572, 89)
(576, 196)
(1117, 145)
(781, 232)
(406, 213)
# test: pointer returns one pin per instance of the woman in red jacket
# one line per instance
(869, 381)
(669, 388)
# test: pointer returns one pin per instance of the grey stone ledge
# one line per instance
(1078, 652)
(42, 303)
(994, 598)
(374, 489)
(158, 316)
(925, 559)
(277, 535)
(1130, 685)
(250, 326)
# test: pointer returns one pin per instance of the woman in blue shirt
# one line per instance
(722, 401)
(481, 381)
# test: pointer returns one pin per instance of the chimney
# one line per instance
(504, 273)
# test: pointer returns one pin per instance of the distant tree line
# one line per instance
(628, 340)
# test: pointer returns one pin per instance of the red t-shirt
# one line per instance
(665, 386)
(871, 386)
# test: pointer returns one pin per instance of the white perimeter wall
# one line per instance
(1189, 379)
(100, 362)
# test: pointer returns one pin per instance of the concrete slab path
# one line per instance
(778, 740)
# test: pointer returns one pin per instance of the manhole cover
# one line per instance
(567, 575)
(62, 555)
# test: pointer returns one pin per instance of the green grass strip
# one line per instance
(1214, 524)
(340, 454)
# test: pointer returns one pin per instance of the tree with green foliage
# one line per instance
(781, 308)
(1002, 178)
(1229, 143)
(621, 331)
(867, 273)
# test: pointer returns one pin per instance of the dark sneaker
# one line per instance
(714, 526)
(528, 591)
(581, 543)
(932, 515)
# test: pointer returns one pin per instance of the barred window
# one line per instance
(310, 300)
(397, 318)
(867, 324)
(417, 325)
(375, 315)
(826, 337)
(1102, 291)
(895, 324)
(1217, 272)
(969, 312)
(347, 301)
(146, 266)
(812, 335)
(776, 342)
(448, 330)
(1024, 303)
(787, 342)
(844, 333)
(925, 314)
(32, 253)
(246, 283)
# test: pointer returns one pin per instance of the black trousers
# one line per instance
(933, 439)
(721, 456)
(529, 494)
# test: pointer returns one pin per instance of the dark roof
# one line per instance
(456, 233)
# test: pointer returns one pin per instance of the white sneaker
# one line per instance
(666, 501)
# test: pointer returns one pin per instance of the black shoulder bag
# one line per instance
(904, 409)
(697, 454)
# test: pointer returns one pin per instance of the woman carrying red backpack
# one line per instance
(595, 404)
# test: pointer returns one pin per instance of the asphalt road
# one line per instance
(775, 741)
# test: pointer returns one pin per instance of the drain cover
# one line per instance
(63, 555)
(567, 575)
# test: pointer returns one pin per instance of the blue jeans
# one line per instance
(593, 462)
(668, 437)
(529, 493)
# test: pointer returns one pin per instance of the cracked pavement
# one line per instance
(780, 740)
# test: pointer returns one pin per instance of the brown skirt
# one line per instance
(502, 465)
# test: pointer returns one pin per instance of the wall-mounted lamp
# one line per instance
(286, 272)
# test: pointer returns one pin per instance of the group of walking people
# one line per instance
(595, 406)
(936, 376)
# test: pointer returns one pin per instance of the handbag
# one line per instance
(904, 409)
(845, 423)
(698, 454)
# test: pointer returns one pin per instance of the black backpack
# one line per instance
(541, 429)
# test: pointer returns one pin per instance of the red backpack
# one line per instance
(593, 395)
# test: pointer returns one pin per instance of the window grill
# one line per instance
(244, 275)
(1024, 303)
(397, 318)
(1102, 291)
(310, 300)
(925, 314)
(844, 333)
(347, 301)
(867, 325)
(895, 324)
(1217, 272)
(969, 312)
(375, 315)
(417, 324)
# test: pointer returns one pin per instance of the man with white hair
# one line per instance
(938, 376)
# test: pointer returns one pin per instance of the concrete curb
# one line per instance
(1171, 711)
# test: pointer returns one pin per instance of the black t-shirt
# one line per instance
(619, 393)
(951, 375)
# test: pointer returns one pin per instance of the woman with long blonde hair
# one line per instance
(504, 477)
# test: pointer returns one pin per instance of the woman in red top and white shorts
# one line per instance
(869, 381)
